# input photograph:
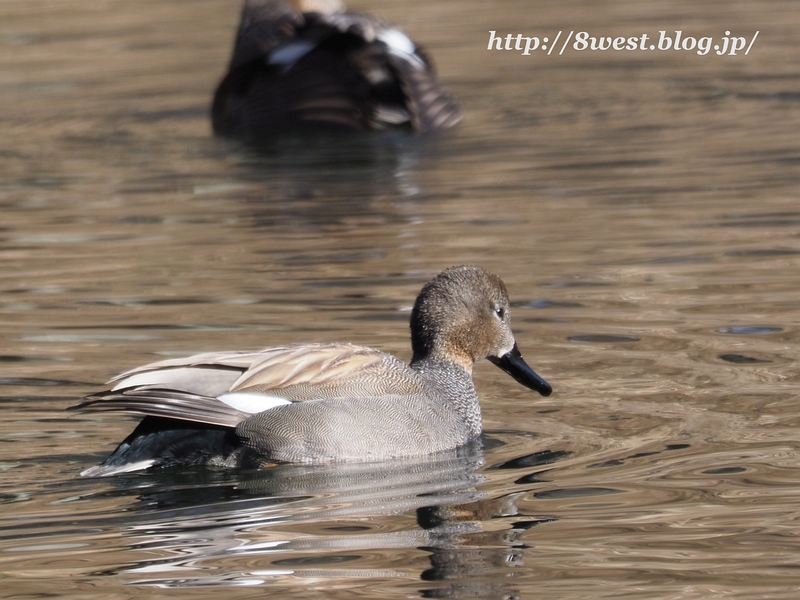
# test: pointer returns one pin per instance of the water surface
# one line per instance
(642, 208)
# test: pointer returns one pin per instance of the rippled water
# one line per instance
(642, 208)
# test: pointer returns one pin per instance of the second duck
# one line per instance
(306, 65)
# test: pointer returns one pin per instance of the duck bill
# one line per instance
(513, 364)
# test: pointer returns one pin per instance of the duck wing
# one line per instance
(225, 388)
(321, 371)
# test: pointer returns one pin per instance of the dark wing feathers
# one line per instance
(170, 404)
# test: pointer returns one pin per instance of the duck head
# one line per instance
(462, 315)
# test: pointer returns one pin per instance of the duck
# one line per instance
(316, 403)
(311, 65)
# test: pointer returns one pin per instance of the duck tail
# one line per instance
(431, 106)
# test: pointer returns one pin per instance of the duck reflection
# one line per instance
(468, 560)
(305, 183)
(283, 525)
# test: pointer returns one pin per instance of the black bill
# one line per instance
(513, 364)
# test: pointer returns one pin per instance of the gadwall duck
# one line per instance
(305, 65)
(314, 403)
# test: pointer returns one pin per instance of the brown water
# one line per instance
(641, 206)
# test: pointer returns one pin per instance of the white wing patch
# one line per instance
(289, 54)
(252, 403)
(401, 46)
(397, 41)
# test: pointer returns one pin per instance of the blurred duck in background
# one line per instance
(305, 65)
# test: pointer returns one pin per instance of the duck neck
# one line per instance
(455, 383)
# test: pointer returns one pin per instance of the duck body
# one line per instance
(316, 403)
(304, 70)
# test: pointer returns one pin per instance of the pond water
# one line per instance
(641, 206)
